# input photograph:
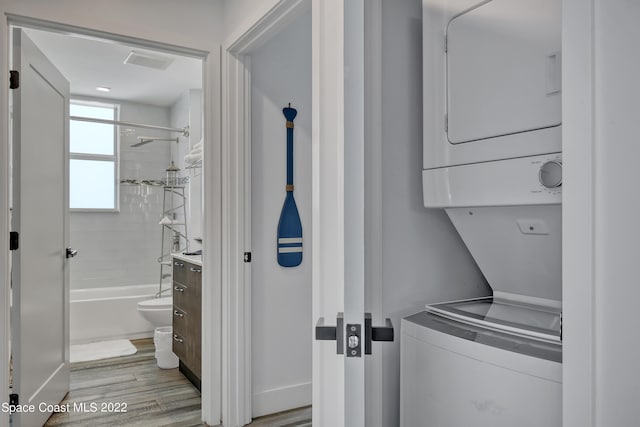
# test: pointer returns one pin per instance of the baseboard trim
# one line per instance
(281, 399)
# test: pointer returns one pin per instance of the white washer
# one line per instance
(484, 363)
(494, 361)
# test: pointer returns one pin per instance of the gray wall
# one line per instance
(281, 297)
(424, 259)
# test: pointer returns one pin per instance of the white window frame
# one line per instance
(115, 158)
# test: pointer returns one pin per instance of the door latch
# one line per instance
(353, 334)
(354, 340)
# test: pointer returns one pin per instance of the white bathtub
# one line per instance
(109, 313)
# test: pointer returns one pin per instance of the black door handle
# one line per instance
(329, 333)
(371, 333)
(376, 333)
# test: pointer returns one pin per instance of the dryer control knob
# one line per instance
(550, 174)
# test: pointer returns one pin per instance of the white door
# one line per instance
(40, 279)
(338, 215)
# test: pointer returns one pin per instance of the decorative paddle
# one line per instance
(289, 226)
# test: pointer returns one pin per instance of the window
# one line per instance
(93, 158)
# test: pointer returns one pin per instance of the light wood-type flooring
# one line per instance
(154, 397)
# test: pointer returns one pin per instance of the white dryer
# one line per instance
(492, 80)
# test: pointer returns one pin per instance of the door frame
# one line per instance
(236, 152)
(212, 195)
(579, 207)
(236, 171)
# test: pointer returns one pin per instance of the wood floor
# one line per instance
(153, 397)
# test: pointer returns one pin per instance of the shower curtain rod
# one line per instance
(184, 131)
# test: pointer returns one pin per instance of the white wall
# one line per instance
(239, 15)
(121, 248)
(281, 297)
(198, 26)
(424, 259)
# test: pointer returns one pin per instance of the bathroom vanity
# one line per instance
(187, 318)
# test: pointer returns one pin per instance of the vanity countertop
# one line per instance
(194, 259)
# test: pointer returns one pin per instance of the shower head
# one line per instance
(142, 141)
(147, 139)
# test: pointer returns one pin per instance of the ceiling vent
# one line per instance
(148, 60)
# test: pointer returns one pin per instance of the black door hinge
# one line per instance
(14, 79)
(14, 399)
(247, 257)
(14, 240)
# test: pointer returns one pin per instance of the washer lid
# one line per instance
(502, 314)
(528, 346)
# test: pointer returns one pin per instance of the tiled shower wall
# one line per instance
(121, 248)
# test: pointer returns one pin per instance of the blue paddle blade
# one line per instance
(289, 234)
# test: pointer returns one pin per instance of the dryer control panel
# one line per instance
(535, 180)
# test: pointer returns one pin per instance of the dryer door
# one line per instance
(503, 69)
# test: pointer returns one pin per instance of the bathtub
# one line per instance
(109, 313)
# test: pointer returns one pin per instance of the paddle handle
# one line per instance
(289, 114)
(290, 158)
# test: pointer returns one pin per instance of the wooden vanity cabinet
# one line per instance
(187, 318)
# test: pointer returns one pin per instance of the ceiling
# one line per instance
(88, 63)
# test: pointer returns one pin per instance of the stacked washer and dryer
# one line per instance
(493, 161)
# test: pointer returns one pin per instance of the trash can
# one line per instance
(162, 339)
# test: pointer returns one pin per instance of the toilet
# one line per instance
(157, 310)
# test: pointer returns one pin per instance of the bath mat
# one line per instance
(101, 350)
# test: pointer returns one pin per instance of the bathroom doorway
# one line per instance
(118, 236)
(147, 107)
